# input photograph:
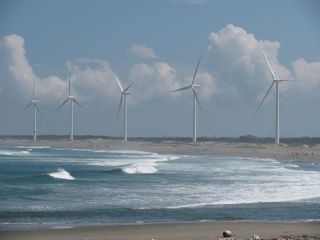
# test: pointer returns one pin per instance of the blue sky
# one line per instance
(156, 44)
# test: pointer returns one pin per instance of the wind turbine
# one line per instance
(123, 99)
(193, 86)
(276, 81)
(34, 102)
(72, 100)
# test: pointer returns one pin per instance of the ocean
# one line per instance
(43, 187)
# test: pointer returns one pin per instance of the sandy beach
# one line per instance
(175, 231)
(283, 151)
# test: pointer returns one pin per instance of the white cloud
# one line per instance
(153, 81)
(239, 65)
(91, 78)
(160, 79)
(17, 75)
(208, 85)
(307, 73)
(235, 70)
(142, 51)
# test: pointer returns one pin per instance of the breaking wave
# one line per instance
(139, 169)
(132, 162)
(61, 174)
(14, 153)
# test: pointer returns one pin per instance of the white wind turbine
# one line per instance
(34, 102)
(193, 86)
(276, 80)
(123, 99)
(72, 100)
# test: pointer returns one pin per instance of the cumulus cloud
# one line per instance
(158, 80)
(237, 60)
(17, 75)
(208, 85)
(91, 78)
(154, 81)
(142, 51)
(308, 73)
(234, 69)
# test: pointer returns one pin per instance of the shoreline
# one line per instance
(246, 150)
(176, 231)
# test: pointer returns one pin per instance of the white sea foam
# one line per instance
(132, 162)
(236, 181)
(13, 153)
(34, 147)
(40, 147)
(134, 152)
(291, 166)
(61, 174)
(139, 169)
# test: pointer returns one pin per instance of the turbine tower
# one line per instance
(193, 86)
(34, 102)
(123, 99)
(276, 81)
(72, 100)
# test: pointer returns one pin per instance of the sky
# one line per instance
(156, 45)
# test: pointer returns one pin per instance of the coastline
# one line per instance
(176, 231)
(247, 150)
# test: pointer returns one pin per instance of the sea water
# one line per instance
(42, 187)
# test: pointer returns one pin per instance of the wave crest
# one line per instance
(13, 153)
(139, 169)
(61, 174)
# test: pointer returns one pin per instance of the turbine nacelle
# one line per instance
(72, 97)
(194, 86)
(279, 80)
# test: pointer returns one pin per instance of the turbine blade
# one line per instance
(265, 96)
(64, 102)
(28, 106)
(270, 68)
(195, 72)
(118, 81)
(180, 89)
(70, 83)
(34, 86)
(77, 103)
(128, 87)
(288, 80)
(36, 106)
(120, 105)
(196, 96)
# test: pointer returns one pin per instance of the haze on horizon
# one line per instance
(157, 44)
